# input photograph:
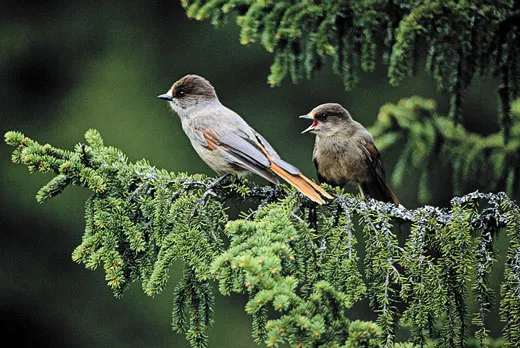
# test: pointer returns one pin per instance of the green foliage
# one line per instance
(297, 263)
(463, 39)
(311, 287)
(431, 143)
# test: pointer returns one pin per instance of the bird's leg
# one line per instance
(209, 191)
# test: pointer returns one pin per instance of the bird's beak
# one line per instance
(165, 96)
(312, 126)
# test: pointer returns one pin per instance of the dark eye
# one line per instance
(323, 116)
(179, 93)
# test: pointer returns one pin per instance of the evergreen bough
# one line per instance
(297, 263)
(432, 144)
(463, 39)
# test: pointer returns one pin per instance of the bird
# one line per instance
(344, 152)
(226, 143)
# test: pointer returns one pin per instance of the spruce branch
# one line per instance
(433, 141)
(139, 219)
(462, 40)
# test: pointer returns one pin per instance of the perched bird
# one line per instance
(344, 151)
(226, 142)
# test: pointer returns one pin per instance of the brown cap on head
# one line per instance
(193, 86)
(327, 119)
(330, 110)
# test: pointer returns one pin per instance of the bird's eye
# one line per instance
(180, 93)
(322, 116)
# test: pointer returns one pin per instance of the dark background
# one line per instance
(66, 67)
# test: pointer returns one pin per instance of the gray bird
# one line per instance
(344, 152)
(226, 142)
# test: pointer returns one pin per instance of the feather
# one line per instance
(257, 156)
(299, 182)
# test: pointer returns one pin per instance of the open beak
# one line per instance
(165, 97)
(312, 126)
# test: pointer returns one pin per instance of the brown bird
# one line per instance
(344, 152)
(226, 142)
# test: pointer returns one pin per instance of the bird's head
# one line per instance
(327, 119)
(188, 92)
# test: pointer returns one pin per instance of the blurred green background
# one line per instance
(66, 67)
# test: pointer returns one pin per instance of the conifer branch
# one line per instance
(432, 141)
(139, 219)
(463, 39)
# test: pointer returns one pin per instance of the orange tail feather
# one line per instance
(301, 183)
(317, 187)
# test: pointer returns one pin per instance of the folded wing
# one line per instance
(238, 151)
(377, 187)
(258, 156)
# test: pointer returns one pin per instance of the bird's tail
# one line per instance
(302, 183)
(378, 190)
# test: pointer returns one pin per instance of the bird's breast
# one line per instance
(340, 162)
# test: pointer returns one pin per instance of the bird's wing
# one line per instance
(378, 188)
(254, 153)
(273, 156)
(373, 159)
(238, 149)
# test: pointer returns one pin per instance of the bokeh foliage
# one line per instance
(288, 255)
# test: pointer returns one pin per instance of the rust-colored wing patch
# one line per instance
(371, 151)
(211, 139)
